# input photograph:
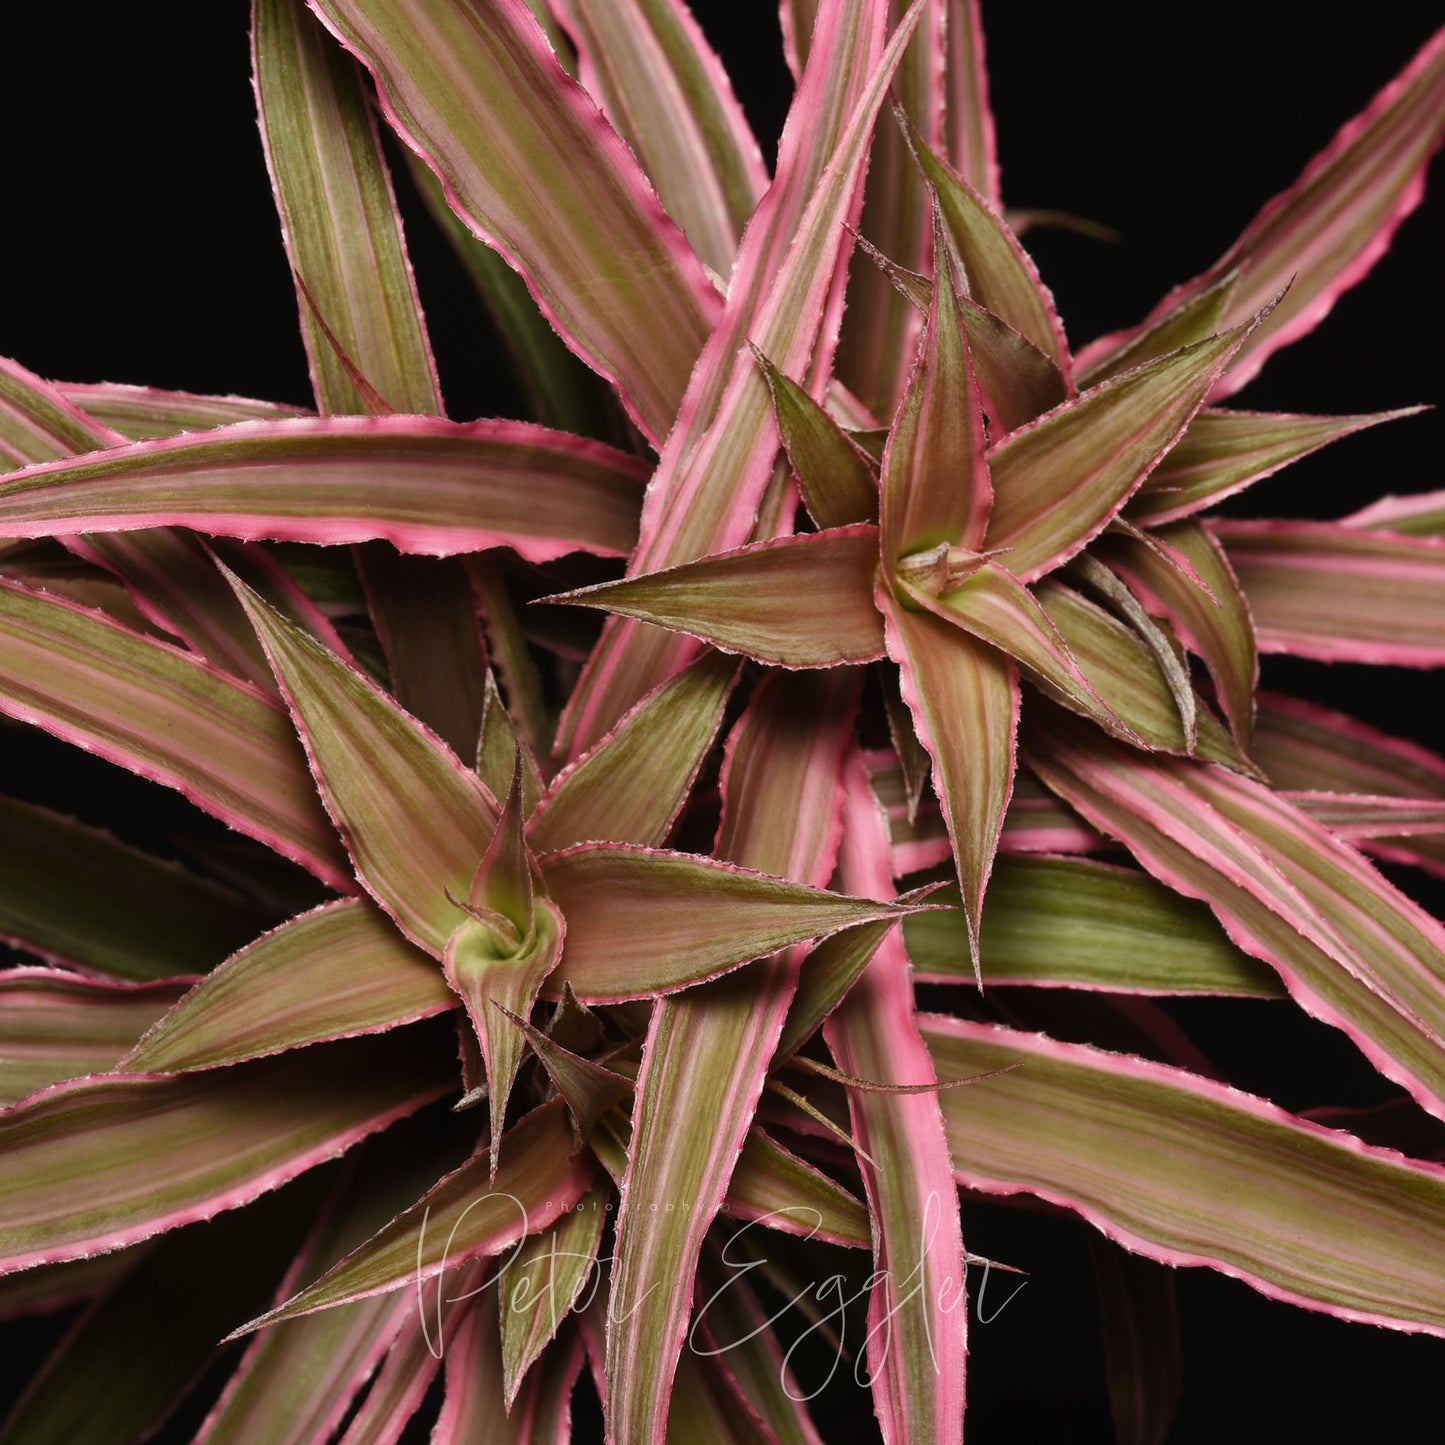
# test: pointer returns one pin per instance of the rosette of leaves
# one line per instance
(924, 663)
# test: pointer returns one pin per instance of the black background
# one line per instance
(140, 245)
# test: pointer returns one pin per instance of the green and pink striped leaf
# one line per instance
(340, 970)
(1191, 1172)
(804, 601)
(101, 1163)
(421, 483)
(144, 413)
(1341, 594)
(167, 716)
(482, 98)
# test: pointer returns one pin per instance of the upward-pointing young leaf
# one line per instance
(1057, 481)
(416, 822)
(480, 95)
(1327, 230)
(935, 480)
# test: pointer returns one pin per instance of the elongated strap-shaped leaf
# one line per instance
(339, 970)
(1195, 318)
(57, 1026)
(420, 483)
(466, 1216)
(1225, 451)
(666, 93)
(998, 273)
(964, 697)
(416, 822)
(1057, 481)
(718, 461)
(1188, 1171)
(1217, 624)
(1357, 816)
(76, 895)
(1326, 231)
(141, 413)
(1123, 672)
(836, 481)
(829, 971)
(880, 337)
(103, 1162)
(167, 716)
(1077, 923)
(804, 601)
(935, 482)
(770, 1185)
(1019, 382)
(403, 1378)
(1351, 950)
(971, 145)
(1317, 589)
(917, 1309)
(1302, 745)
(338, 215)
(482, 98)
(707, 1052)
(703, 918)
(1419, 515)
(629, 788)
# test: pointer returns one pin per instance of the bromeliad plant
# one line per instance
(920, 613)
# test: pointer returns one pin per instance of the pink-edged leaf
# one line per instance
(76, 895)
(38, 424)
(1358, 816)
(1350, 948)
(1317, 589)
(421, 483)
(1196, 318)
(917, 1308)
(707, 1052)
(166, 716)
(590, 1089)
(1058, 481)
(964, 697)
(1326, 231)
(704, 918)
(56, 1025)
(343, 235)
(1038, 822)
(880, 337)
(466, 1216)
(992, 606)
(935, 481)
(426, 621)
(998, 273)
(1304, 746)
(1216, 624)
(415, 820)
(1125, 674)
(1077, 923)
(970, 129)
(1420, 515)
(804, 601)
(143, 413)
(541, 1283)
(1018, 381)
(718, 461)
(497, 748)
(666, 93)
(339, 970)
(403, 1377)
(1188, 1171)
(707, 1404)
(834, 475)
(528, 715)
(630, 787)
(829, 971)
(100, 1163)
(482, 98)
(1225, 451)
